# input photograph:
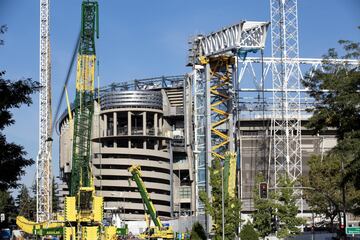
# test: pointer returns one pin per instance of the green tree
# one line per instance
(287, 209)
(323, 184)
(213, 206)
(26, 204)
(12, 156)
(335, 89)
(198, 232)
(7, 207)
(280, 205)
(248, 232)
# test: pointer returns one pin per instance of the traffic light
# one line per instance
(263, 190)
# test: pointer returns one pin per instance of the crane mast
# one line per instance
(84, 100)
(43, 162)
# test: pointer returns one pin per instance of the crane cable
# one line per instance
(61, 98)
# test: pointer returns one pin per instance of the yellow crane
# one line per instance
(83, 213)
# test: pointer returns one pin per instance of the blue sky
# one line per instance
(140, 39)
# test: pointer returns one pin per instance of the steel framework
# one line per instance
(212, 58)
(43, 163)
(286, 125)
(289, 99)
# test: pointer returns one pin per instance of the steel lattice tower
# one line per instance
(286, 125)
(43, 163)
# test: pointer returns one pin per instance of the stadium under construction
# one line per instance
(146, 146)
(149, 122)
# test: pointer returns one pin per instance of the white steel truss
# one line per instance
(286, 124)
(198, 84)
(242, 37)
(43, 163)
(246, 35)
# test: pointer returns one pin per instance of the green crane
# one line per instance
(136, 176)
(159, 231)
(84, 100)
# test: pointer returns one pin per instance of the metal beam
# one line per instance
(245, 35)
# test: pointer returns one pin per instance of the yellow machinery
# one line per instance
(83, 213)
(159, 231)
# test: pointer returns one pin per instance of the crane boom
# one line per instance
(136, 176)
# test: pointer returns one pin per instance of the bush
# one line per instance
(248, 232)
(198, 232)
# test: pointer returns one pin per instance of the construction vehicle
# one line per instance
(159, 231)
(83, 213)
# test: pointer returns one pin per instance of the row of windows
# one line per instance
(128, 156)
(125, 167)
(145, 179)
(141, 212)
(131, 189)
(135, 200)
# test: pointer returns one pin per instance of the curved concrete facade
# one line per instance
(129, 128)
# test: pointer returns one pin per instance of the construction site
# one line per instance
(136, 156)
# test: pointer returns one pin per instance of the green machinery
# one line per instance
(83, 213)
(159, 231)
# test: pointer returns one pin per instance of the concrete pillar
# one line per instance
(115, 128)
(155, 124)
(161, 126)
(144, 129)
(129, 128)
(115, 123)
(156, 146)
(105, 125)
(144, 123)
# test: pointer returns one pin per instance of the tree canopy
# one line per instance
(336, 91)
(323, 184)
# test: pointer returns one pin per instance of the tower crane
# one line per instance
(43, 161)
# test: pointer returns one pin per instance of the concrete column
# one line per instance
(144, 123)
(170, 149)
(156, 146)
(155, 124)
(115, 123)
(129, 128)
(161, 126)
(115, 127)
(105, 125)
(144, 129)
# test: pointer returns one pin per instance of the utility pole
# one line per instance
(43, 161)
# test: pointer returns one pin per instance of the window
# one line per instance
(185, 192)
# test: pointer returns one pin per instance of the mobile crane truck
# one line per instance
(159, 231)
(83, 213)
